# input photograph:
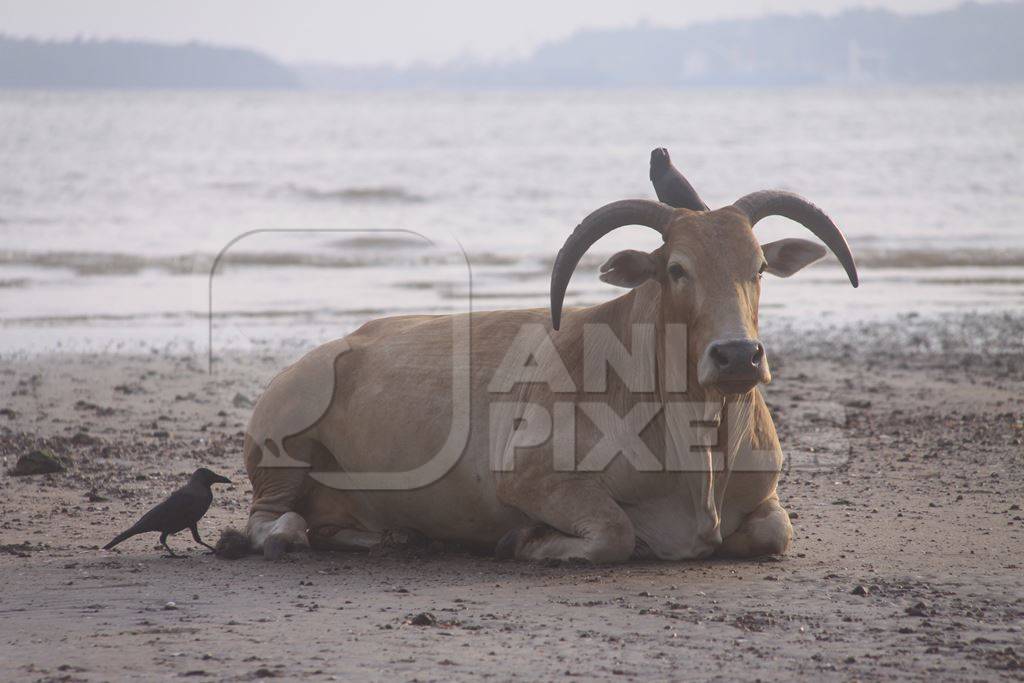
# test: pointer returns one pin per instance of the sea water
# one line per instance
(127, 217)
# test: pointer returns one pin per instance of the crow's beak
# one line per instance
(217, 479)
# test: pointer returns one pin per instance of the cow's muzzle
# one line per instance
(733, 366)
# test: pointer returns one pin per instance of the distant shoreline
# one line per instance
(972, 43)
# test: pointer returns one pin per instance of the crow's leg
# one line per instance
(163, 542)
(195, 535)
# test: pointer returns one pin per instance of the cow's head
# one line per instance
(708, 269)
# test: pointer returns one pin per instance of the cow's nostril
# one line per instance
(719, 358)
(758, 354)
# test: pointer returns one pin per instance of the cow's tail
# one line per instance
(232, 544)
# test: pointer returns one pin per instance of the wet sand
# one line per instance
(905, 482)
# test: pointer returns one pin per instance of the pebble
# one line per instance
(423, 619)
(37, 462)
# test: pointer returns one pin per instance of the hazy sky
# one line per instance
(375, 31)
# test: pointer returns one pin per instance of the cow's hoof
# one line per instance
(506, 548)
(511, 544)
(403, 538)
(642, 551)
(275, 547)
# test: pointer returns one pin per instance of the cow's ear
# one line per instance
(628, 268)
(789, 256)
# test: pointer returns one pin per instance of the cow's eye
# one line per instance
(676, 271)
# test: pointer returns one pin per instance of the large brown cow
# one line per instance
(507, 429)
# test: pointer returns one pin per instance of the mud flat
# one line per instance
(905, 481)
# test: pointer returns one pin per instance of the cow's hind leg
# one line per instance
(577, 520)
(274, 526)
(333, 522)
(765, 531)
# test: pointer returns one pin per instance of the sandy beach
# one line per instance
(819, 201)
(906, 562)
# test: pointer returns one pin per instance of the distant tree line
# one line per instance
(973, 43)
(121, 64)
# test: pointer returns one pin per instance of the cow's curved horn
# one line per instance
(758, 205)
(670, 185)
(595, 226)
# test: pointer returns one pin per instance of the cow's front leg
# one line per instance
(765, 531)
(576, 519)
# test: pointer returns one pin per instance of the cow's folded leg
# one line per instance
(765, 531)
(577, 520)
(274, 526)
(337, 538)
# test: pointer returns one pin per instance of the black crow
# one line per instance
(670, 185)
(182, 510)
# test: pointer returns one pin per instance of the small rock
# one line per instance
(918, 610)
(241, 401)
(83, 439)
(859, 590)
(264, 672)
(37, 462)
(170, 605)
(94, 497)
(423, 619)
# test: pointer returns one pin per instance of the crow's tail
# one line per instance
(120, 537)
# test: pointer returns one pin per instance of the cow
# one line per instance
(631, 428)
